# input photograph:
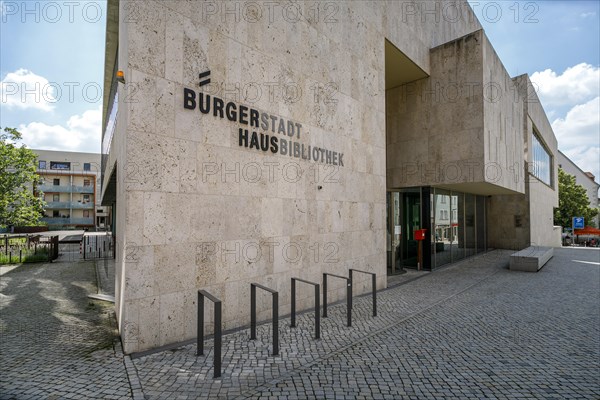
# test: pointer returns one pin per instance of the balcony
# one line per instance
(66, 205)
(46, 188)
(83, 189)
(67, 221)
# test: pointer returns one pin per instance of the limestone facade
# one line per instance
(202, 204)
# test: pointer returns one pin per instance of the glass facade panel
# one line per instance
(457, 211)
(393, 231)
(470, 244)
(441, 228)
(542, 162)
(458, 226)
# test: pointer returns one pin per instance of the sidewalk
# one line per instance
(472, 330)
(55, 343)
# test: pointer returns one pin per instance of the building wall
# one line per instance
(180, 213)
(459, 128)
(435, 137)
(527, 220)
(591, 186)
(504, 112)
(543, 198)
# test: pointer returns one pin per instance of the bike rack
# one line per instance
(317, 306)
(217, 330)
(348, 296)
(373, 284)
(275, 296)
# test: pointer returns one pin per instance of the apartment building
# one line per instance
(70, 185)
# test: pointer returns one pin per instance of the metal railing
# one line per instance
(67, 221)
(97, 246)
(373, 286)
(218, 335)
(61, 205)
(49, 188)
(275, 296)
(348, 296)
(317, 306)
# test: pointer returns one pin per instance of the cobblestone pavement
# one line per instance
(474, 330)
(55, 343)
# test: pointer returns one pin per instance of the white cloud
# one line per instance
(578, 135)
(587, 158)
(588, 14)
(82, 133)
(580, 125)
(26, 90)
(574, 86)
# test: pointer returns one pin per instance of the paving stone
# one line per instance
(472, 330)
(54, 341)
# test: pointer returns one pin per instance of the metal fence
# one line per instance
(28, 248)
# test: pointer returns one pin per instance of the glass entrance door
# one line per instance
(404, 217)
(411, 221)
(394, 232)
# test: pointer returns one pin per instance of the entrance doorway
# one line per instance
(403, 217)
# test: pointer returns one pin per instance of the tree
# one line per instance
(572, 201)
(18, 205)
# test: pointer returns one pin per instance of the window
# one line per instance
(60, 165)
(100, 210)
(86, 182)
(86, 213)
(86, 166)
(541, 167)
(55, 213)
(86, 198)
(56, 197)
(56, 182)
(42, 164)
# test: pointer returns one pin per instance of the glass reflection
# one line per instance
(442, 228)
(458, 225)
(469, 225)
(457, 210)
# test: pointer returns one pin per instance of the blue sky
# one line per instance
(58, 49)
(61, 49)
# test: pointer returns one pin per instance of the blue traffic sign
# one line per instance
(578, 223)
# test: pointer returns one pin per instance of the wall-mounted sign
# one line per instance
(265, 132)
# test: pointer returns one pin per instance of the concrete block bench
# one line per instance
(531, 259)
